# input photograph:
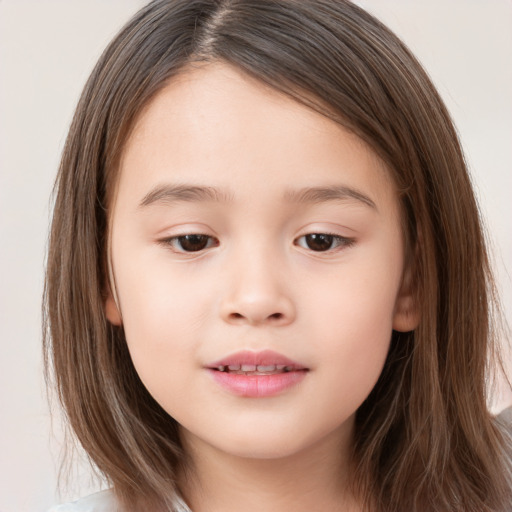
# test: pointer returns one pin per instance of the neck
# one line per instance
(317, 478)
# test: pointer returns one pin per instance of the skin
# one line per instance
(258, 284)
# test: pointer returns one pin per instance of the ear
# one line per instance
(406, 315)
(112, 311)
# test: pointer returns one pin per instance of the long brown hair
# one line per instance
(424, 439)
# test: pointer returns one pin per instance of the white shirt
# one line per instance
(103, 501)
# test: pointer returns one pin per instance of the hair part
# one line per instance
(424, 438)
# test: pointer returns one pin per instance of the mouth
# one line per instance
(266, 362)
(257, 374)
(252, 369)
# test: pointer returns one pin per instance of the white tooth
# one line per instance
(280, 366)
(234, 367)
(248, 367)
(269, 368)
(221, 368)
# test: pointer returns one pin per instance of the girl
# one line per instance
(267, 284)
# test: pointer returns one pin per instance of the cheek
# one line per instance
(162, 329)
(353, 319)
(358, 298)
(353, 340)
(164, 317)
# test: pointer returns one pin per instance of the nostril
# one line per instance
(273, 317)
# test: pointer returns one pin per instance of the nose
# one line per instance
(256, 294)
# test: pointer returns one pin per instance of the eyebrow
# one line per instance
(329, 193)
(169, 194)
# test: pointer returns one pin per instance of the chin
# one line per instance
(267, 442)
(262, 448)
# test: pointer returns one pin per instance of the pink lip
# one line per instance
(257, 386)
(264, 358)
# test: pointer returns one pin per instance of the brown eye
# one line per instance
(319, 241)
(322, 242)
(191, 243)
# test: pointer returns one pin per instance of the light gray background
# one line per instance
(47, 49)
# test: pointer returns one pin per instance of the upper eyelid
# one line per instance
(306, 233)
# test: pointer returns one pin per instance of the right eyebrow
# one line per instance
(168, 194)
(328, 193)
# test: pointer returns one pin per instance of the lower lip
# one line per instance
(258, 386)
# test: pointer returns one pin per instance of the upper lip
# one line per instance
(261, 358)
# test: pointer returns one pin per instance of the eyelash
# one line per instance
(339, 242)
(175, 240)
(335, 242)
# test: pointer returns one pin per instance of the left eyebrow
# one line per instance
(331, 193)
(168, 194)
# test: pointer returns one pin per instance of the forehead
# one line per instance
(214, 125)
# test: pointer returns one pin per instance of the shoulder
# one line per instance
(505, 416)
(103, 501)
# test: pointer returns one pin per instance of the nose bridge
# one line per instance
(256, 291)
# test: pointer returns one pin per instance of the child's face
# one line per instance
(297, 248)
